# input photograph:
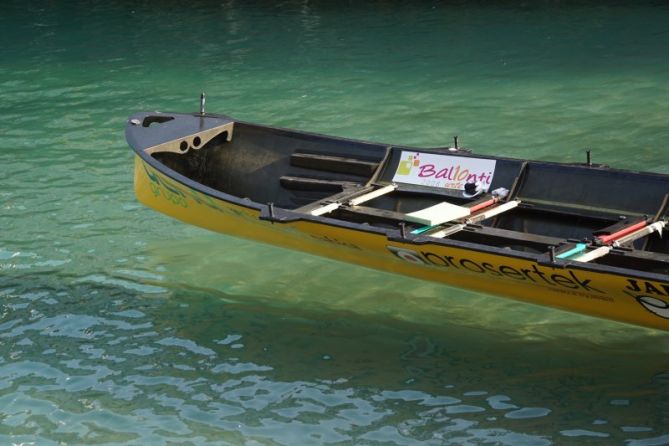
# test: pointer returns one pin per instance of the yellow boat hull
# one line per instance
(608, 295)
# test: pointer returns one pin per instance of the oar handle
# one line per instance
(483, 205)
(608, 239)
(575, 250)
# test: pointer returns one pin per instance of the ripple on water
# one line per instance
(499, 402)
(127, 284)
(661, 440)
(528, 412)
(583, 433)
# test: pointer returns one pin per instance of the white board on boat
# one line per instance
(438, 214)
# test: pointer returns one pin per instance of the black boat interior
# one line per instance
(559, 205)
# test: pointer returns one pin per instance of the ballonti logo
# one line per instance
(408, 163)
(446, 171)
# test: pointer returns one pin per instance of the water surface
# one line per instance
(121, 326)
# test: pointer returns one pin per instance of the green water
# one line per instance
(121, 326)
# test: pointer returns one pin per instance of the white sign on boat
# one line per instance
(445, 171)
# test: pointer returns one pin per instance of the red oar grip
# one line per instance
(483, 205)
(606, 239)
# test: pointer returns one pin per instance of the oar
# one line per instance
(457, 213)
(498, 195)
(448, 231)
(475, 219)
(602, 250)
(594, 254)
(610, 238)
(326, 209)
(464, 212)
(493, 212)
(580, 247)
(620, 238)
(658, 226)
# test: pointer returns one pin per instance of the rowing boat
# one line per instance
(579, 237)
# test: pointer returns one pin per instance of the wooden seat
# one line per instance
(338, 164)
(314, 184)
